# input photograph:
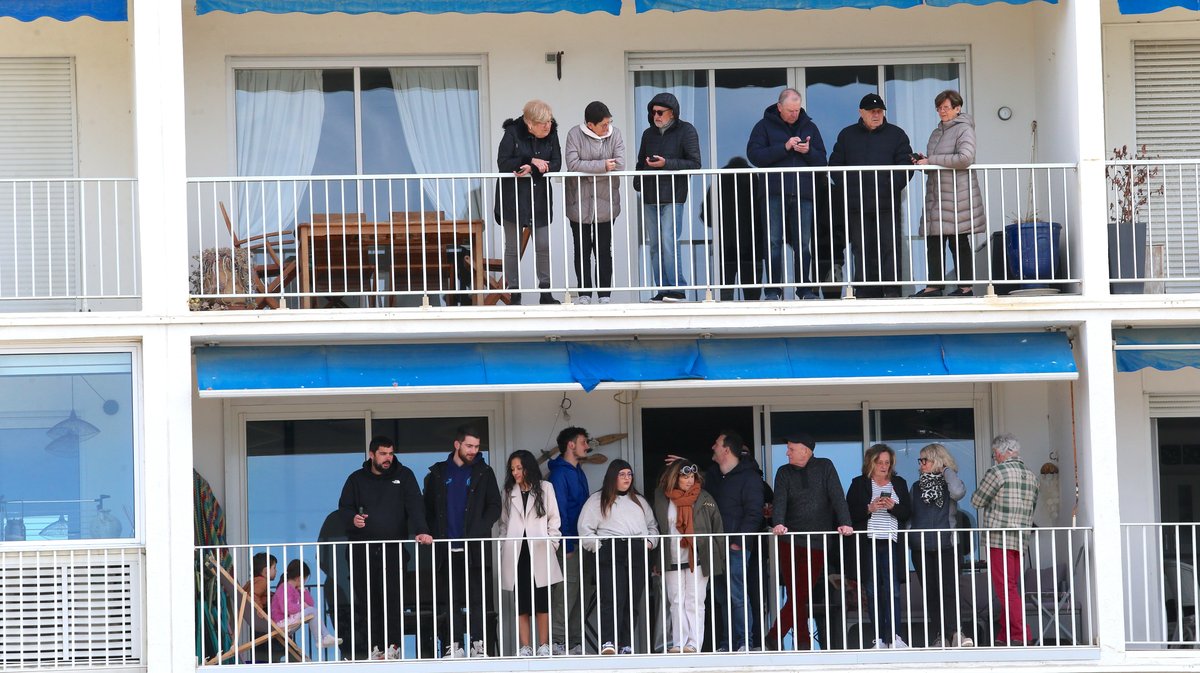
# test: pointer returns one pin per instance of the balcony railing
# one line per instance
(1154, 225)
(71, 608)
(69, 245)
(397, 600)
(434, 239)
(1161, 585)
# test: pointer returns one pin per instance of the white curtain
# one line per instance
(682, 83)
(279, 118)
(910, 93)
(439, 114)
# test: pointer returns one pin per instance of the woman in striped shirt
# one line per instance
(880, 504)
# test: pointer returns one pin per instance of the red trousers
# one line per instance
(1005, 565)
(799, 569)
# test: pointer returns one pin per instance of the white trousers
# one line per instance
(685, 590)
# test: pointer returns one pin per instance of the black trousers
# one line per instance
(378, 605)
(961, 253)
(593, 239)
(875, 240)
(622, 579)
(463, 597)
(938, 570)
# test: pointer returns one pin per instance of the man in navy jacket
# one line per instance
(786, 137)
(571, 491)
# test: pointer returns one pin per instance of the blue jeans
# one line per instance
(664, 222)
(884, 593)
(733, 605)
(788, 224)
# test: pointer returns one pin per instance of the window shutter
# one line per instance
(37, 141)
(1174, 406)
(1166, 78)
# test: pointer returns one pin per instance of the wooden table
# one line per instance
(341, 254)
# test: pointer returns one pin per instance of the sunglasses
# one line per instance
(658, 113)
(923, 460)
(688, 469)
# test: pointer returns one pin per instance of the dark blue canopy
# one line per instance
(260, 370)
(65, 10)
(405, 6)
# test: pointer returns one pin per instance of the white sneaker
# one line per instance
(392, 652)
(478, 650)
(605, 300)
(558, 650)
(543, 650)
(584, 299)
(938, 642)
(962, 640)
(608, 648)
(743, 648)
(525, 651)
(898, 643)
(330, 641)
(454, 651)
(627, 650)
(375, 655)
(879, 644)
(577, 650)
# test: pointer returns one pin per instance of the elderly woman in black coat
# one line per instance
(529, 150)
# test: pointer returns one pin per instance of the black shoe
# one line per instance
(927, 292)
(514, 298)
(674, 296)
(661, 296)
(547, 298)
(960, 292)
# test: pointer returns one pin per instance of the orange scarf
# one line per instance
(684, 518)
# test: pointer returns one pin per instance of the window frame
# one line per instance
(138, 538)
(355, 63)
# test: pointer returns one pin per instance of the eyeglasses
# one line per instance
(688, 469)
(625, 473)
(923, 460)
(658, 112)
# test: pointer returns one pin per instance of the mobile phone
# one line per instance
(916, 156)
(885, 494)
(362, 510)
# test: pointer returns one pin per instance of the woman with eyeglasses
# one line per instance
(688, 557)
(529, 566)
(935, 556)
(618, 525)
(879, 504)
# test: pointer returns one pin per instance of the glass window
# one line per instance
(421, 442)
(741, 97)
(832, 94)
(838, 434)
(67, 447)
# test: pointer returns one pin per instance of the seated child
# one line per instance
(292, 603)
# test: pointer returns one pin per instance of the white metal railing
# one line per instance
(397, 600)
(382, 240)
(1154, 225)
(1160, 562)
(71, 608)
(69, 244)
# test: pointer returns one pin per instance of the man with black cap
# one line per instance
(808, 499)
(872, 198)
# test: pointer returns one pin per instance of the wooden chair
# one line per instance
(268, 272)
(257, 625)
(495, 273)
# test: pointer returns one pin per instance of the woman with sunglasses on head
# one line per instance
(935, 499)
(688, 557)
(529, 566)
(618, 525)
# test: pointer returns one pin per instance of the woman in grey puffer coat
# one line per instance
(593, 203)
(953, 204)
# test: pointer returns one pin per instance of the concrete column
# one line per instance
(1099, 501)
(161, 167)
(1093, 187)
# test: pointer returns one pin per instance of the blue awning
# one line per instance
(223, 371)
(1164, 348)
(65, 10)
(1152, 6)
(720, 5)
(406, 6)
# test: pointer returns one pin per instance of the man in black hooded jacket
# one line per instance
(381, 504)
(670, 144)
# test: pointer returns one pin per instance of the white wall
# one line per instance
(103, 83)
(1002, 40)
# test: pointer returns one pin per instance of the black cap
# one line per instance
(800, 438)
(871, 101)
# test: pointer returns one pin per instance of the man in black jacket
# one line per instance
(462, 503)
(670, 144)
(380, 503)
(872, 198)
(736, 486)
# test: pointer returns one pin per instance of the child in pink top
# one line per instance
(292, 603)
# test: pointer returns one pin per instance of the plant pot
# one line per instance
(1033, 250)
(1127, 255)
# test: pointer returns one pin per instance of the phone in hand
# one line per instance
(885, 494)
(916, 156)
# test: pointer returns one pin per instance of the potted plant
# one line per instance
(1130, 186)
(219, 271)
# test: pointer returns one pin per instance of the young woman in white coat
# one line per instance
(528, 561)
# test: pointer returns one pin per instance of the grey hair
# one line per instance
(787, 93)
(939, 456)
(1006, 443)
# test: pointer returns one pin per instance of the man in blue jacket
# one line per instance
(737, 489)
(786, 137)
(571, 491)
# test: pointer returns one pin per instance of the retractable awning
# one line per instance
(406, 6)
(65, 10)
(719, 5)
(1165, 348)
(244, 371)
(1152, 6)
